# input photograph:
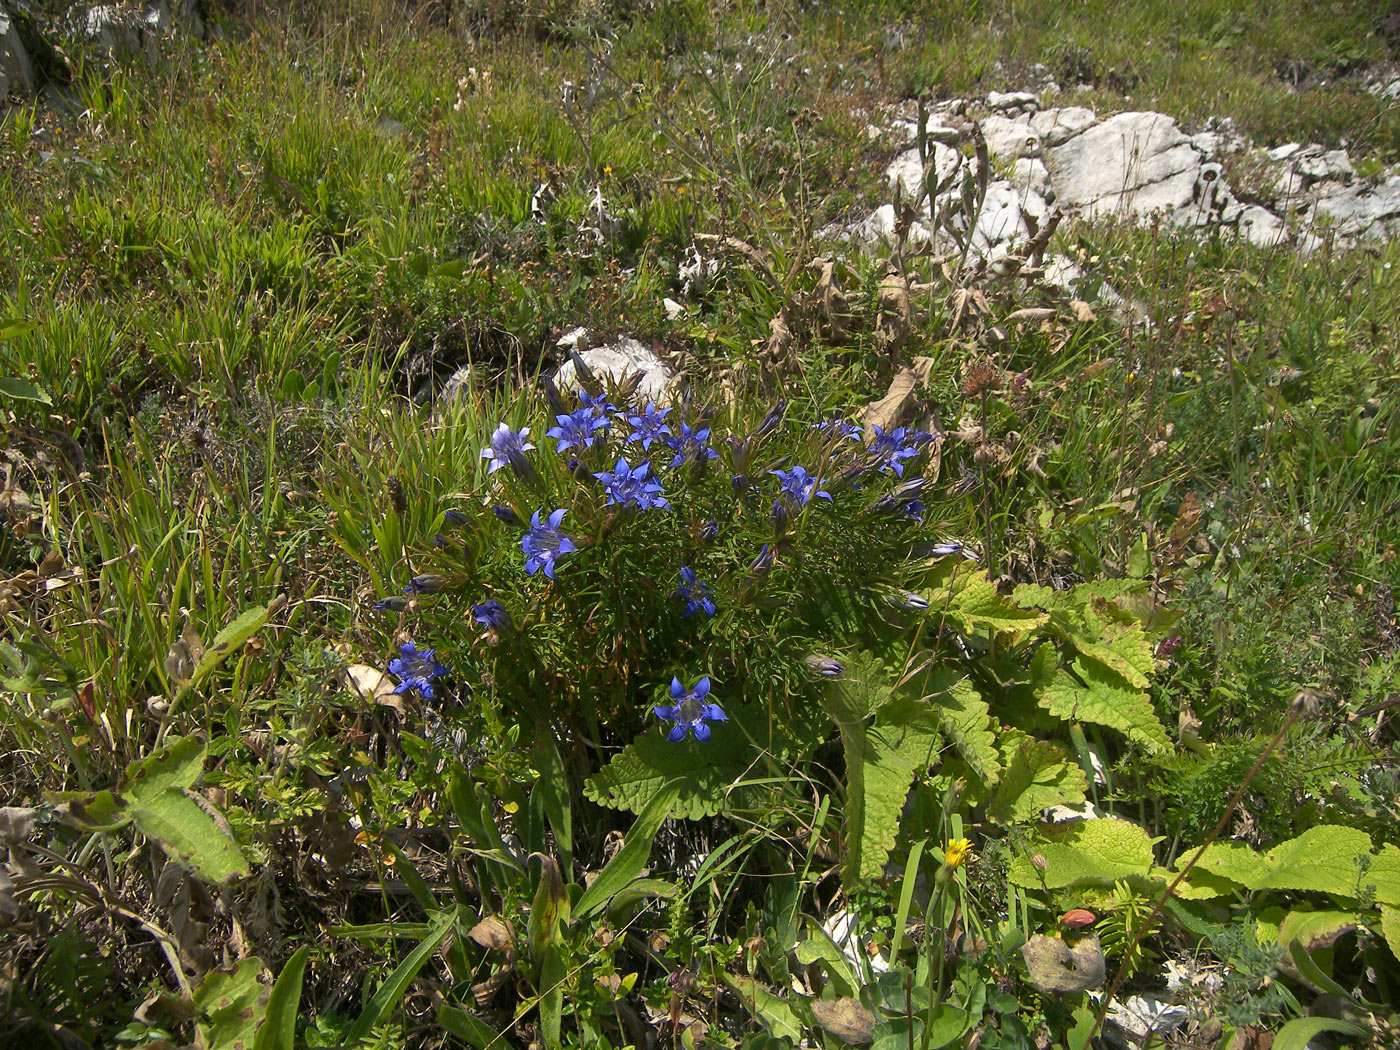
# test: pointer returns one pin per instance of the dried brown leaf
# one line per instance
(1059, 969)
(896, 405)
(846, 1019)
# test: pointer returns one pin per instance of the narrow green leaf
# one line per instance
(404, 869)
(473, 1031)
(232, 637)
(632, 858)
(279, 1027)
(1299, 1032)
(392, 990)
(553, 788)
(553, 973)
(768, 1009)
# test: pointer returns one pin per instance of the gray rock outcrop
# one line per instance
(16, 70)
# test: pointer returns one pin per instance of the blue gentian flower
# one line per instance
(763, 562)
(709, 532)
(455, 517)
(600, 406)
(696, 593)
(416, 670)
(690, 445)
(506, 514)
(544, 543)
(394, 603)
(633, 485)
(691, 711)
(577, 430)
(772, 419)
(907, 600)
(492, 615)
(649, 426)
(890, 450)
(839, 429)
(507, 446)
(903, 500)
(797, 487)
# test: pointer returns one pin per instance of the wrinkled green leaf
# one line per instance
(230, 1005)
(1088, 851)
(1038, 775)
(1105, 698)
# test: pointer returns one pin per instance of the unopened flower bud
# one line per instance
(426, 583)
(823, 665)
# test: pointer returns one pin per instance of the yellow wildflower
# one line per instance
(955, 852)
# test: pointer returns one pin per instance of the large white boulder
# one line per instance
(1134, 164)
(16, 71)
(616, 361)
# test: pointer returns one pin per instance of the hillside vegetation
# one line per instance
(361, 686)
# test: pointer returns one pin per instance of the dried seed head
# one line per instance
(982, 377)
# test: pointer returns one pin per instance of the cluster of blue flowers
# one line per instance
(848, 458)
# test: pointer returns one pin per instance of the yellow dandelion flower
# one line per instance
(955, 852)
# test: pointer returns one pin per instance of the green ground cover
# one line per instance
(234, 283)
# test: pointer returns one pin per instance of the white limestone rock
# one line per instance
(906, 171)
(1261, 227)
(113, 30)
(1030, 174)
(1134, 163)
(616, 361)
(1010, 137)
(1058, 126)
(1011, 101)
(1359, 210)
(16, 71)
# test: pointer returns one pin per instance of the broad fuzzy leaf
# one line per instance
(177, 765)
(977, 604)
(1324, 859)
(966, 721)
(232, 1005)
(1390, 928)
(880, 763)
(1121, 647)
(1037, 775)
(1105, 699)
(1090, 851)
(639, 772)
(860, 690)
(191, 830)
